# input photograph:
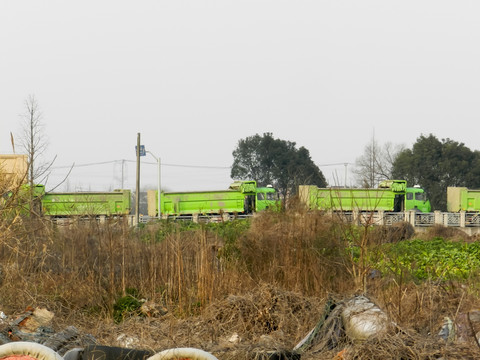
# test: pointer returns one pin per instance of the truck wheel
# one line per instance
(24, 350)
(183, 354)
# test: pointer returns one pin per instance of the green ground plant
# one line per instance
(437, 259)
(127, 305)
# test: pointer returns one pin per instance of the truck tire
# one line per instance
(183, 354)
(24, 350)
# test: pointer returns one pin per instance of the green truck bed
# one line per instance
(66, 204)
(347, 199)
(208, 202)
(463, 199)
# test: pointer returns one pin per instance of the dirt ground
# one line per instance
(264, 324)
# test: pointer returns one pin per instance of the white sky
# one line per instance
(194, 77)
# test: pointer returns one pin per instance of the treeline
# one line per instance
(437, 164)
(431, 163)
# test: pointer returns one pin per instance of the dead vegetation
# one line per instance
(454, 234)
(238, 291)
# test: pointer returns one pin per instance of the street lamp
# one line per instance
(158, 185)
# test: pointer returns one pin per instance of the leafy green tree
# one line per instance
(275, 162)
(473, 177)
(436, 164)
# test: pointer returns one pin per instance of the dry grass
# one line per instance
(454, 234)
(237, 296)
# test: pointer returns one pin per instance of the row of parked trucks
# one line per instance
(245, 197)
(242, 197)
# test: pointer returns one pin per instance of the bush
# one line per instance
(127, 306)
(437, 259)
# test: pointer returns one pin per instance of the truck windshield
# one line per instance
(420, 196)
(272, 196)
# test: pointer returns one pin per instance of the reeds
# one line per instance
(182, 268)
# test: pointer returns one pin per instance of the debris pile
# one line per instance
(353, 327)
(35, 325)
(465, 327)
(31, 337)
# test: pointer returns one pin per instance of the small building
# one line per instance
(13, 169)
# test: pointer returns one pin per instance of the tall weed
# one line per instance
(94, 268)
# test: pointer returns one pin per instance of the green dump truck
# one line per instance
(391, 195)
(242, 197)
(70, 204)
(463, 199)
(89, 204)
(20, 200)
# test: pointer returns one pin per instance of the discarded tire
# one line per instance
(23, 350)
(183, 354)
(101, 352)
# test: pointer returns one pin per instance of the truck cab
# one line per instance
(407, 198)
(257, 198)
(267, 198)
(416, 199)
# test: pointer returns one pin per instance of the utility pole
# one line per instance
(137, 191)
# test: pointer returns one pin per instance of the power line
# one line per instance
(167, 164)
(195, 166)
(133, 161)
(335, 164)
(83, 165)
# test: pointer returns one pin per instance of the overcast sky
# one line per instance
(195, 77)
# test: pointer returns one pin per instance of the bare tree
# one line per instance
(376, 163)
(34, 143)
(32, 139)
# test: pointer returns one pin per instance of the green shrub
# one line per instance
(437, 259)
(126, 306)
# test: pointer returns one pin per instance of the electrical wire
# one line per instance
(149, 163)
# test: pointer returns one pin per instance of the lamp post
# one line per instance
(158, 185)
